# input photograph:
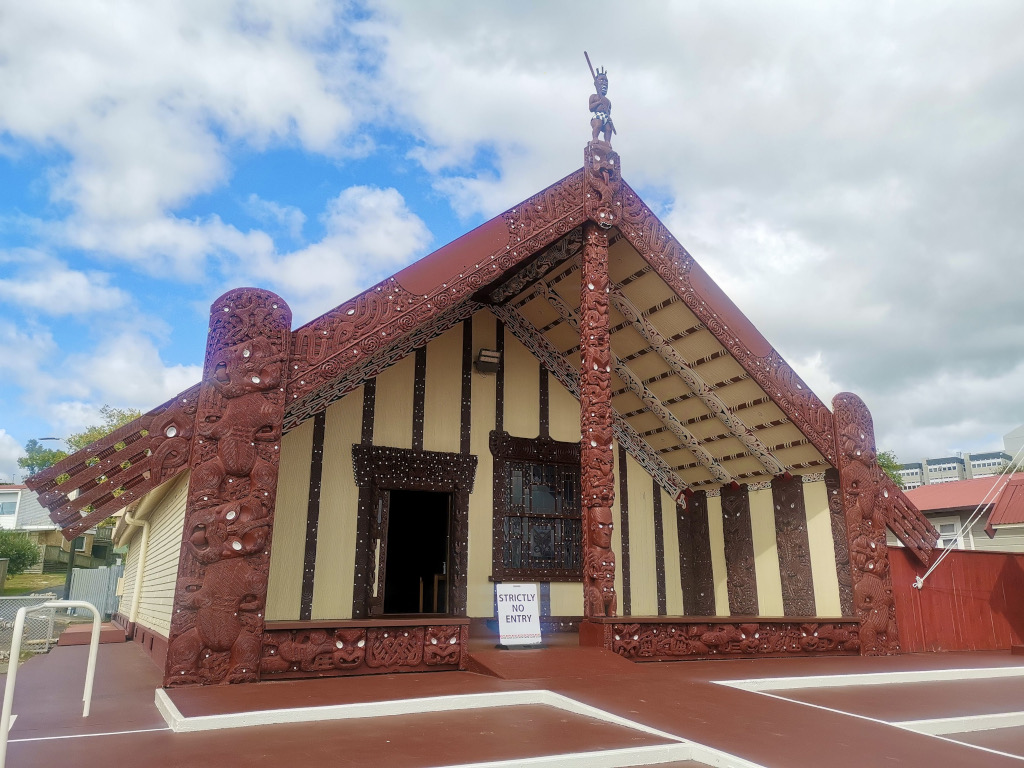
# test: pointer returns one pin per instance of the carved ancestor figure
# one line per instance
(599, 565)
(601, 123)
(217, 624)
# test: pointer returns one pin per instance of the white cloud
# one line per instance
(10, 452)
(127, 371)
(49, 286)
(370, 233)
(146, 100)
(290, 218)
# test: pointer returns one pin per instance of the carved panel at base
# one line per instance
(219, 598)
(671, 640)
(369, 650)
(860, 490)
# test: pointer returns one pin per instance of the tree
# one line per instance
(890, 464)
(19, 550)
(39, 457)
(113, 418)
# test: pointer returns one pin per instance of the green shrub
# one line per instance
(19, 550)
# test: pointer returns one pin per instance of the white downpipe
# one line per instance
(12, 671)
(140, 570)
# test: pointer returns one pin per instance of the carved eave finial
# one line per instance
(603, 177)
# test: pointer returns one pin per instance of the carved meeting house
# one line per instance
(561, 396)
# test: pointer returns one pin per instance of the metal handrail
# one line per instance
(12, 670)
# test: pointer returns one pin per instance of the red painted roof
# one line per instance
(961, 493)
(1009, 508)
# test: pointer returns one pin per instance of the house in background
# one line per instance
(20, 510)
(1000, 524)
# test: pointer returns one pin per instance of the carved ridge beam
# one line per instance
(637, 387)
(695, 382)
(568, 376)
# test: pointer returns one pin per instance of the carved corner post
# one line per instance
(860, 489)
(596, 425)
(219, 600)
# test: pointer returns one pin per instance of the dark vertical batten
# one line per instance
(316, 467)
(545, 403)
(499, 384)
(695, 556)
(659, 548)
(545, 598)
(739, 551)
(793, 546)
(466, 414)
(362, 564)
(419, 398)
(624, 532)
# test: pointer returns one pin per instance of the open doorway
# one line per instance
(417, 567)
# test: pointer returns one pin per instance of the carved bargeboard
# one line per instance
(217, 621)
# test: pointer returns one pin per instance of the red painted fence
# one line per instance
(974, 601)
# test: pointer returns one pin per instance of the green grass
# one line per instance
(24, 583)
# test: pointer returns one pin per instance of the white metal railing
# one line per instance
(12, 671)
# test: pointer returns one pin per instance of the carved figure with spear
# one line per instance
(600, 104)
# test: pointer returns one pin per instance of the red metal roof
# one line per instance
(1009, 509)
(961, 493)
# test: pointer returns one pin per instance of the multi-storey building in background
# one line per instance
(963, 466)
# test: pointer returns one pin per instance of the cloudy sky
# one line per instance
(850, 173)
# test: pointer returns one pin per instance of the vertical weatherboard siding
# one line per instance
(339, 503)
(822, 549)
(288, 541)
(766, 552)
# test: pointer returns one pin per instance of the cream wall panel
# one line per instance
(165, 534)
(766, 553)
(643, 579)
(566, 598)
(522, 389)
(339, 507)
(288, 545)
(673, 577)
(823, 553)
(564, 409)
(480, 592)
(716, 534)
(392, 417)
(442, 412)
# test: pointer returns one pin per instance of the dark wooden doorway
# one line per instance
(418, 552)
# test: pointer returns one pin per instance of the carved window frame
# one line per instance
(509, 452)
(380, 470)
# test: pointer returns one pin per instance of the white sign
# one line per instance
(518, 614)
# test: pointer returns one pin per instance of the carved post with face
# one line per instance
(598, 482)
(860, 489)
(217, 622)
